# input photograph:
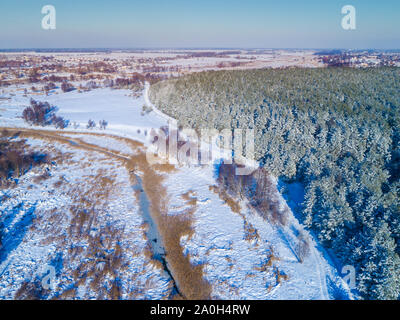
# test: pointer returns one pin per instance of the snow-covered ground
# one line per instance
(233, 259)
(233, 247)
(42, 229)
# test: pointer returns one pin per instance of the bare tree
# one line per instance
(66, 86)
(103, 124)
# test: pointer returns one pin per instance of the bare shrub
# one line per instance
(302, 248)
(91, 85)
(236, 185)
(280, 276)
(38, 113)
(257, 188)
(66, 86)
(42, 113)
(278, 215)
(91, 124)
(108, 83)
(251, 233)
(103, 124)
(31, 290)
(45, 175)
(59, 122)
(15, 161)
(1, 235)
(264, 185)
(226, 177)
(284, 216)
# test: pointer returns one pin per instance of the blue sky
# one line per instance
(200, 23)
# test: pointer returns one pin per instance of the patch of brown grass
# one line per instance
(280, 276)
(269, 262)
(58, 184)
(16, 158)
(31, 290)
(164, 167)
(190, 198)
(251, 234)
(68, 294)
(41, 177)
(189, 279)
(224, 196)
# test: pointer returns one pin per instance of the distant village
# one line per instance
(360, 59)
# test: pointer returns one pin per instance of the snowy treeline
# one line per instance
(337, 131)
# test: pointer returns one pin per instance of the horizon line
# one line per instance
(72, 49)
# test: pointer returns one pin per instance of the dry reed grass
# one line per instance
(189, 278)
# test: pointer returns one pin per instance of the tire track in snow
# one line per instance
(313, 252)
(321, 275)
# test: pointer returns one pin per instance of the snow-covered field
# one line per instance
(234, 248)
(45, 226)
(176, 62)
(117, 107)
